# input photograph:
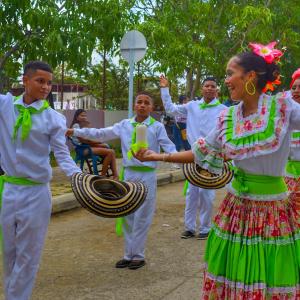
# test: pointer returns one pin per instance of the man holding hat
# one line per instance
(201, 119)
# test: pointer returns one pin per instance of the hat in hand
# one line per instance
(106, 197)
(206, 180)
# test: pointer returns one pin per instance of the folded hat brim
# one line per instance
(108, 198)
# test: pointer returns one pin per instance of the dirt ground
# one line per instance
(81, 250)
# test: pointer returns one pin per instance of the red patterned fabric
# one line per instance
(294, 187)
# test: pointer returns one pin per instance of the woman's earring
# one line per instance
(252, 86)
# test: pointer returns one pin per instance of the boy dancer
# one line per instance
(137, 224)
(201, 119)
(29, 130)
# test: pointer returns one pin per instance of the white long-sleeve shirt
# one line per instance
(30, 159)
(156, 135)
(199, 121)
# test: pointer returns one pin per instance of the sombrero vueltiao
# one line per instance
(206, 180)
(107, 198)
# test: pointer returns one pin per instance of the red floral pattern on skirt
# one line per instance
(214, 290)
(294, 187)
(248, 218)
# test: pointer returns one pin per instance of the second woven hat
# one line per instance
(206, 180)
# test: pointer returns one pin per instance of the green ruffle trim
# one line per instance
(208, 158)
(256, 137)
(270, 264)
(296, 135)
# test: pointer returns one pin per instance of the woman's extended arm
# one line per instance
(179, 157)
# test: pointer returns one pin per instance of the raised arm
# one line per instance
(170, 107)
(5, 101)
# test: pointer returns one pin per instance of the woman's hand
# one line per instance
(163, 81)
(69, 132)
(147, 155)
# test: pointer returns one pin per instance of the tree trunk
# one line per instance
(196, 83)
(189, 82)
(104, 80)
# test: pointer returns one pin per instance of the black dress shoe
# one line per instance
(202, 236)
(187, 234)
(123, 263)
(136, 264)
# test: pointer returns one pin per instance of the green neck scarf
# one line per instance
(205, 105)
(134, 145)
(24, 119)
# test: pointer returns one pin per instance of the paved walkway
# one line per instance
(63, 198)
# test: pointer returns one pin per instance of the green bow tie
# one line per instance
(205, 105)
(24, 119)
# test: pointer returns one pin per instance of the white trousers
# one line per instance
(137, 224)
(198, 201)
(25, 216)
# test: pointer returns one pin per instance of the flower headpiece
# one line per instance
(270, 55)
(295, 76)
(267, 52)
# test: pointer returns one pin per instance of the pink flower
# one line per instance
(267, 52)
(248, 125)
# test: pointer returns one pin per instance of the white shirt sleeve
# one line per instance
(170, 107)
(5, 100)
(102, 134)
(164, 141)
(59, 147)
(295, 115)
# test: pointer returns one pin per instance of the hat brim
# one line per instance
(108, 198)
(206, 180)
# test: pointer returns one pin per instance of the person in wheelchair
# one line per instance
(80, 120)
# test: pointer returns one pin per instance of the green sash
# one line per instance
(257, 184)
(13, 180)
(121, 221)
(293, 167)
(205, 105)
(134, 145)
(24, 119)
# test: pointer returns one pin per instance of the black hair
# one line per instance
(76, 114)
(37, 65)
(265, 72)
(145, 93)
(210, 78)
(182, 98)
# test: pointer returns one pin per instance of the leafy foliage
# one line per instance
(187, 39)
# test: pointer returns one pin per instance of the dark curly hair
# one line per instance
(265, 72)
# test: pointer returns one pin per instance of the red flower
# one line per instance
(248, 125)
(257, 295)
(207, 285)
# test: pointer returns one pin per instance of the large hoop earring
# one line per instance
(251, 93)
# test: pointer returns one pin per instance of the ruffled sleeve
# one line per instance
(208, 153)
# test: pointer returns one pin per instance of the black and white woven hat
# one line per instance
(206, 180)
(108, 198)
